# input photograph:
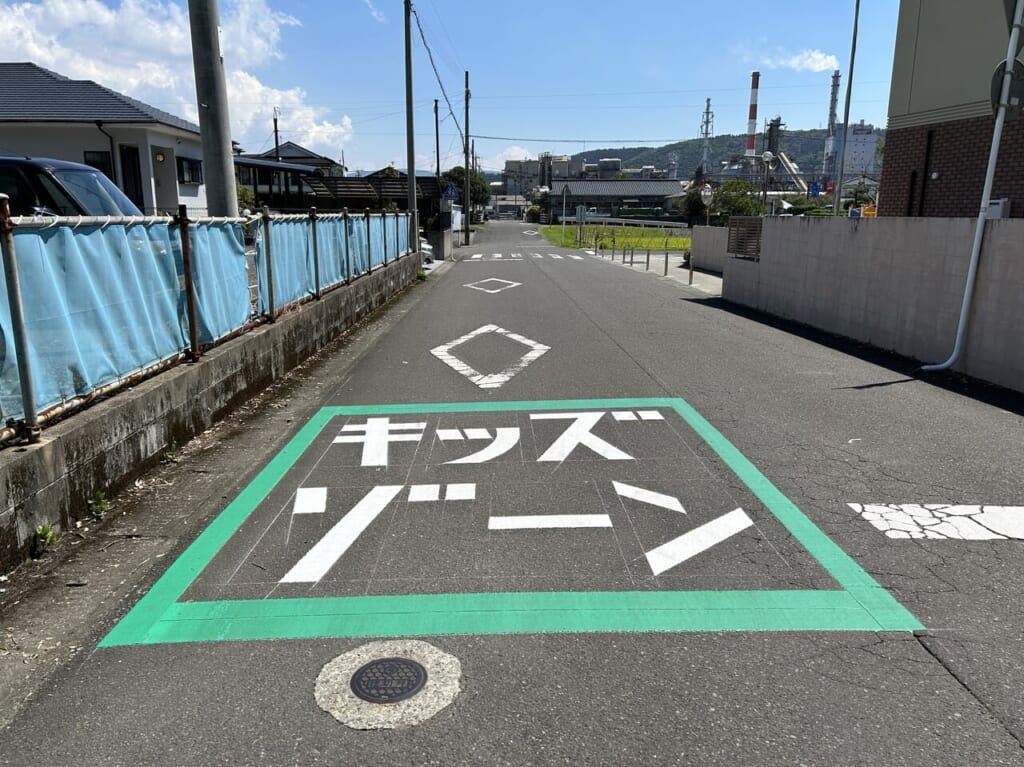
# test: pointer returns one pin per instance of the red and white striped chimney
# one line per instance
(755, 78)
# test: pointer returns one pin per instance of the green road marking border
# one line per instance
(860, 604)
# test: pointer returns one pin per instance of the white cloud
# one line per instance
(86, 40)
(497, 161)
(804, 61)
(375, 12)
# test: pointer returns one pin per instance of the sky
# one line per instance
(559, 76)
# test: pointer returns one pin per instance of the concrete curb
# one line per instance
(106, 447)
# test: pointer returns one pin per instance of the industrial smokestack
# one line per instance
(755, 78)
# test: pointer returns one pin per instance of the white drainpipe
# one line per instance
(986, 194)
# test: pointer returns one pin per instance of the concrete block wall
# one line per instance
(896, 283)
(109, 445)
(708, 246)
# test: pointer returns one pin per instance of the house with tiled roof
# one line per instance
(153, 156)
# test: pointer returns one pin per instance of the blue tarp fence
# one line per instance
(103, 302)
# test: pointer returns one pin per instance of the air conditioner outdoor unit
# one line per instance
(999, 208)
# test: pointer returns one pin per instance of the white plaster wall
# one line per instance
(707, 247)
(69, 142)
(896, 283)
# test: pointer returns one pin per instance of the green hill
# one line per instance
(804, 147)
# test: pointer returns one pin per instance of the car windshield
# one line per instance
(96, 193)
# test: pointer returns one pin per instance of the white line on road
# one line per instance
(688, 545)
(648, 496)
(421, 493)
(329, 549)
(548, 521)
(310, 500)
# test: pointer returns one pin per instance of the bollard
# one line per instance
(271, 307)
(689, 258)
(30, 428)
(190, 282)
(647, 266)
(665, 272)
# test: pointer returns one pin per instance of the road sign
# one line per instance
(1015, 99)
(508, 517)
(450, 193)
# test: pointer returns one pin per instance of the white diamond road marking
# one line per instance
(490, 380)
(530, 232)
(944, 521)
(500, 285)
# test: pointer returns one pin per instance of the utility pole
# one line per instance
(466, 201)
(410, 139)
(838, 194)
(212, 98)
(277, 136)
(437, 140)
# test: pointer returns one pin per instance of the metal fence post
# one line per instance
(384, 233)
(190, 282)
(31, 427)
(348, 249)
(271, 307)
(369, 244)
(398, 245)
(316, 253)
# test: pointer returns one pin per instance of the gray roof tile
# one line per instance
(30, 93)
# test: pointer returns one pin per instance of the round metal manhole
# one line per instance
(389, 680)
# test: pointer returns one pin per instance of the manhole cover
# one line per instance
(389, 680)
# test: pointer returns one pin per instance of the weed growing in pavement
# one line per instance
(43, 539)
(98, 505)
(173, 453)
(421, 275)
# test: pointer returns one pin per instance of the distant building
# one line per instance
(940, 112)
(523, 176)
(861, 149)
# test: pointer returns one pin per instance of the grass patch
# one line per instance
(607, 237)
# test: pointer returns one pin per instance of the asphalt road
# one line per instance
(622, 505)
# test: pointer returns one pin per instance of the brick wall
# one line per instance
(958, 152)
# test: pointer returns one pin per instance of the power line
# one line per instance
(437, 76)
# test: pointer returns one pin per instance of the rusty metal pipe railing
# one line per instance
(316, 253)
(190, 283)
(30, 429)
(271, 306)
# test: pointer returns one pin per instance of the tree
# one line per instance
(737, 197)
(691, 207)
(479, 189)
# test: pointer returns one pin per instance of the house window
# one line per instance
(190, 171)
(100, 161)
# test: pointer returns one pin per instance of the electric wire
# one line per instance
(437, 75)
